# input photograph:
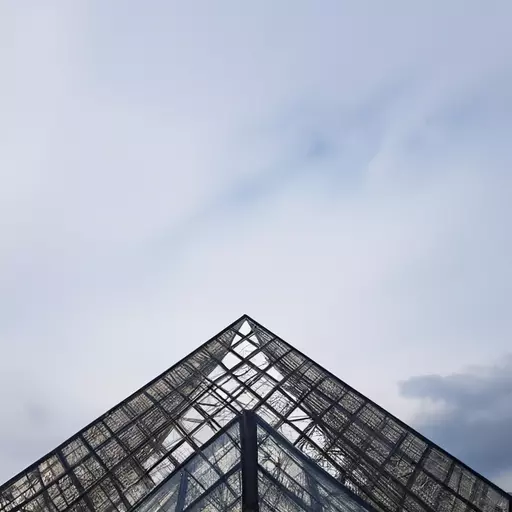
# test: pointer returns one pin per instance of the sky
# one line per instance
(338, 170)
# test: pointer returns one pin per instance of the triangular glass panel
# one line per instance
(213, 478)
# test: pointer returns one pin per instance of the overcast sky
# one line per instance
(340, 171)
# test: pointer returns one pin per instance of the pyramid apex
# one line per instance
(126, 454)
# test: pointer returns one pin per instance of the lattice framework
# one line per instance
(114, 462)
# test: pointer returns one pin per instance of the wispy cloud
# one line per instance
(341, 173)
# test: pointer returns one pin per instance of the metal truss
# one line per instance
(117, 461)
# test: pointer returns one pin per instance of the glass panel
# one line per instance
(209, 479)
(272, 497)
(289, 481)
(166, 497)
(225, 496)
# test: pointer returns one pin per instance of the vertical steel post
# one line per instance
(249, 442)
(182, 492)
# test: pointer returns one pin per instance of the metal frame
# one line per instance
(249, 440)
(118, 459)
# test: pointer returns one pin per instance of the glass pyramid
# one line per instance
(247, 422)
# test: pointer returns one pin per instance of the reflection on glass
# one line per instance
(210, 480)
(287, 480)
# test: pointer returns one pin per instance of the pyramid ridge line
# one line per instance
(77, 434)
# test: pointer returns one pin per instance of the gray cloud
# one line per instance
(473, 419)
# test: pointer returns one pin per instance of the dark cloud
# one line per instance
(474, 420)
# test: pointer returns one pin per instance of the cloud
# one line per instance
(341, 173)
(471, 416)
